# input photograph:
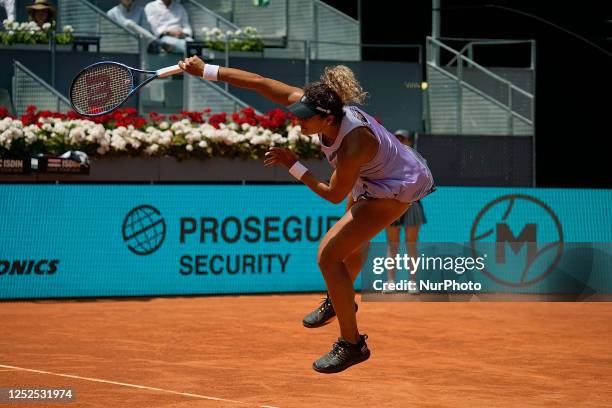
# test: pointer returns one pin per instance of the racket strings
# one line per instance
(101, 88)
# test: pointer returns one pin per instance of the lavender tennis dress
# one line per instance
(395, 172)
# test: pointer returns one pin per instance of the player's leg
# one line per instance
(359, 225)
(323, 313)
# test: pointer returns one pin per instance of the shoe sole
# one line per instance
(333, 371)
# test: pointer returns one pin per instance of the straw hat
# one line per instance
(41, 5)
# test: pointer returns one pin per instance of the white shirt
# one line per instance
(9, 6)
(120, 14)
(162, 18)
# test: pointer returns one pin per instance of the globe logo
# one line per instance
(524, 236)
(144, 230)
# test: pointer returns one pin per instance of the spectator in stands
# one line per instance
(130, 14)
(169, 22)
(411, 220)
(41, 12)
(9, 6)
(128, 10)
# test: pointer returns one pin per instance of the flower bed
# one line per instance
(31, 33)
(239, 40)
(202, 135)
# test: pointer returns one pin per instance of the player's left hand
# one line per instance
(192, 65)
(277, 155)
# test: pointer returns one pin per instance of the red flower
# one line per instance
(217, 119)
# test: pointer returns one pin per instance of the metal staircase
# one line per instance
(30, 89)
(299, 25)
(466, 98)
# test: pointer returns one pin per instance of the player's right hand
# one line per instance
(192, 65)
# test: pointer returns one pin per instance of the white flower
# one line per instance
(151, 150)
(77, 134)
(118, 142)
(46, 26)
(189, 148)
(68, 29)
(164, 125)
(4, 124)
(203, 144)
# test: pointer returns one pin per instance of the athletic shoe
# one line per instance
(343, 355)
(321, 314)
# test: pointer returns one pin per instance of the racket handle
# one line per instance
(171, 70)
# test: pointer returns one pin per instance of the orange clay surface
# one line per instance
(242, 351)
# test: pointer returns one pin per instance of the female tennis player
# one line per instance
(381, 175)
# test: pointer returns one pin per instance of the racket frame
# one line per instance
(156, 74)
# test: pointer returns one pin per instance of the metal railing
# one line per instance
(311, 20)
(199, 94)
(201, 16)
(433, 54)
(303, 51)
(471, 43)
(331, 26)
(30, 89)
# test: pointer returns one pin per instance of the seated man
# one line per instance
(9, 7)
(130, 14)
(127, 10)
(168, 20)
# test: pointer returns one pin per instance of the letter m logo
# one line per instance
(527, 236)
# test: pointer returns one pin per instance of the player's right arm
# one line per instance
(272, 89)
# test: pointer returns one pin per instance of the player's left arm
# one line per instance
(358, 147)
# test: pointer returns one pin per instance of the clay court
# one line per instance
(235, 351)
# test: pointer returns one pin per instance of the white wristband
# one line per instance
(298, 170)
(211, 72)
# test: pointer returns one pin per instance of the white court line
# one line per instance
(131, 385)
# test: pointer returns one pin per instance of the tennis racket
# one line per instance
(104, 86)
